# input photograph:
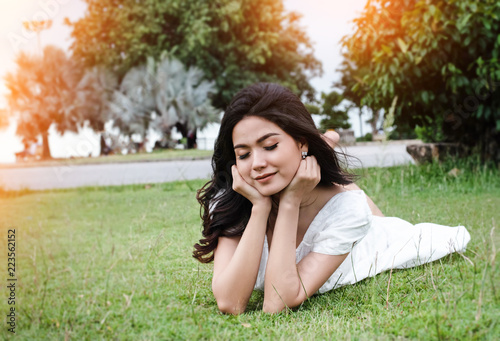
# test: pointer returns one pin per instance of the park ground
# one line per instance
(115, 263)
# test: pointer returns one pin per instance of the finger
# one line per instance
(303, 166)
(236, 175)
(314, 164)
(306, 162)
(317, 170)
(313, 167)
(311, 161)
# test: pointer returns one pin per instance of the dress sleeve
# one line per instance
(344, 221)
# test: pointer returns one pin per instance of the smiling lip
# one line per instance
(264, 177)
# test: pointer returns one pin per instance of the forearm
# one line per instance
(233, 286)
(282, 282)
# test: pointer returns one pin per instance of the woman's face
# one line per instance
(266, 156)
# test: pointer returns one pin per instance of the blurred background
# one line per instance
(92, 78)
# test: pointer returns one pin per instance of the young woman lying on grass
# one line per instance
(281, 215)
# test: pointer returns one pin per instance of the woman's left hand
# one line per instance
(305, 180)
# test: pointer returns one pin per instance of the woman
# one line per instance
(279, 215)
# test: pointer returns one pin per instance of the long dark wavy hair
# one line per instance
(225, 212)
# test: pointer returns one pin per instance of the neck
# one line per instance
(306, 201)
(310, 198)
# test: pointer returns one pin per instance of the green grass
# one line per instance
(160, 155)
(115, 263)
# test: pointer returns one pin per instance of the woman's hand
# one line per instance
(248, 191)
(305, 180)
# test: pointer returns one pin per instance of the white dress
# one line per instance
(375, 244)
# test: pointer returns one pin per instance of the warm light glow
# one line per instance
(22, 5)
(16, 38)
(325, 22)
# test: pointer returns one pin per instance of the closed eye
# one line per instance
(244, 156)
(271, 147)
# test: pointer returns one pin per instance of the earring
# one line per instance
(304, 155)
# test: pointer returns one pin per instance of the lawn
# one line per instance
(115, 263)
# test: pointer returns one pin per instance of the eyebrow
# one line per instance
(261, 139)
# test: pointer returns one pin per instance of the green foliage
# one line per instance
(313, 109)
(440, 58)
(235, 43)
(335, 118)
(431, 132)
(354, 88)
(367, 138)
(389, 117)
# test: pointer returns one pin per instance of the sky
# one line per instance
(325, 21)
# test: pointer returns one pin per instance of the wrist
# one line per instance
(292, 201)
(262, 206)
(291, 204)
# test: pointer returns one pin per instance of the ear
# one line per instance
(303, 145)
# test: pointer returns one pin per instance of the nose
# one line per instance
(259, 161)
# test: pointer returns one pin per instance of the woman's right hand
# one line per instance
(248, 191)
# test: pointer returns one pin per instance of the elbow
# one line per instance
(274, 307)
(228, 307)
(274, 304)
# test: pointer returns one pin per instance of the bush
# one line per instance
(441, 59)
(367, 138)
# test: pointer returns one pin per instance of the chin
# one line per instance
(271, 190)
(267, 193)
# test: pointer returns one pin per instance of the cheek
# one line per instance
(288, 172)
(244, 169)
(294, 164)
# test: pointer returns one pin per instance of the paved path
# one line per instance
(38, 178)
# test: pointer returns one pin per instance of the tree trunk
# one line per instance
(191, 139)
(360, 122)
(189, 135)
(181, 128)
(45, 145)
(373, 121)
(105, 149)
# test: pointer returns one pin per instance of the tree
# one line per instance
(184, 94)
(163, 95)
(93, 94)
(335, 118)
(4, 119)
(235, 43)
(355, 89)
(42, 93)
(440, 58)
(133, 103)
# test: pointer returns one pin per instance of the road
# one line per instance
(40, 178)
